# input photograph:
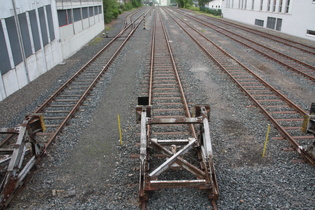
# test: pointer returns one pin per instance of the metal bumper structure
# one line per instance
(17, 159)
(173, 152)
(309, 127)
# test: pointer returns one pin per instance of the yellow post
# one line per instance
(266, 141)
(119, 129)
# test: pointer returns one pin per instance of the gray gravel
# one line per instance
(86, 168)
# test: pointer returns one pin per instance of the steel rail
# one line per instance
(275, 38)
(228, 33)
(10, 181)
(41, 108)
(91, 86)
(178, 80)
(164, 64)
(280, 128)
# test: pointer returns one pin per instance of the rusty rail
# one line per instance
(11, 184)
(155, 113)
(252, 87)
(306, 70)
(288, 42)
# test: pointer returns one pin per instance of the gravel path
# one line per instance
(86, 168)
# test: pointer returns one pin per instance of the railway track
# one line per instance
(175, 148)
(284, 114)
(294, 64)
(287, 42)
(23, 146)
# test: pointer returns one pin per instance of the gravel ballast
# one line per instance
(87, 168)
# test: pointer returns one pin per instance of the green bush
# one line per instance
(112, 9)
(211, 11)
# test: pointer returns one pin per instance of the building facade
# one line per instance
(37, 35)
(294, 17)
(215, 4)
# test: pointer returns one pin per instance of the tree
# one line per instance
(202, 3)
(111, 10)
(184, 3)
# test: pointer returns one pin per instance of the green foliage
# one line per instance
(211, 11)
(112, 8)
(202, 3)
(184, 3)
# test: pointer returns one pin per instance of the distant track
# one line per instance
(284, 41)
(300, 67)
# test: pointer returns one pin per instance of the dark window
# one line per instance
(280, 6)
(35, 31)
(288, 6)
(4, 56)
(14, 40)
(25, 34)
(62, 17)
(310, 32)
(85, 12)
(271, 22)
(69, 16)
(259, 22)
(50, 23)
(96, 11)
(43, 26)
(77, 14)
(279, 24)
(91, 12)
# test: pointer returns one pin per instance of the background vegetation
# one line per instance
(112, 8)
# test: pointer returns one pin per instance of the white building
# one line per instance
(294, 17)
(37, 35)
(215, 4)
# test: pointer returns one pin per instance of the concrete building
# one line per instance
(215, 4)
(37, 35)
(294, 17)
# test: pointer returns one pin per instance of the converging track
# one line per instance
(292, 63)
(284, 114)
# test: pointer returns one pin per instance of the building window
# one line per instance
(85, 12)
(77, 14)
(261, 4)
(259, 22)
(253, 4)
(280, 6)
(279, 24)
(269, 2)
(310, 32)
(274, 5)
(288, 6)
(271, 22)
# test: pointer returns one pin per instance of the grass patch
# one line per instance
(207, 12)
(95, 41)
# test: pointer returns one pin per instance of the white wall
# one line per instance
(296, 22)
(39, 62)
(215, 4)
(68, 40)
(75, 35)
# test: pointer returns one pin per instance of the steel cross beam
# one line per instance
(17, 169)
(205, 177)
